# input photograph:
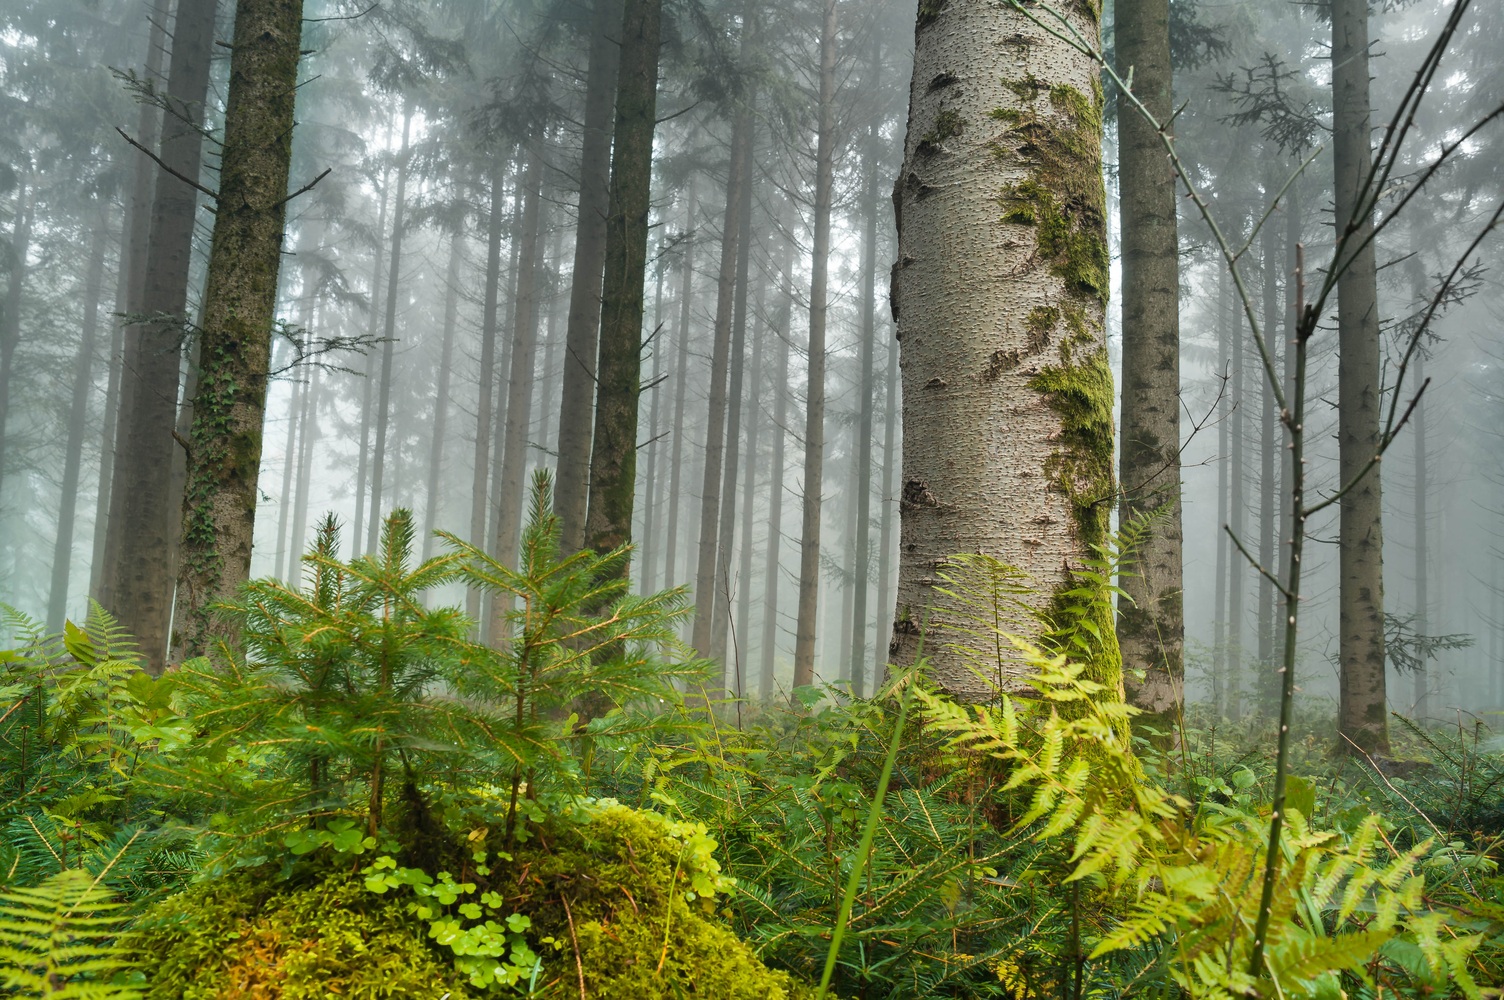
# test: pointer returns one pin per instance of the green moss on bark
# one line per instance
(1063, 197)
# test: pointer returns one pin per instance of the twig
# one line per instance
(578, 965)
(304, 189)
(1238, 542)
(158, 160)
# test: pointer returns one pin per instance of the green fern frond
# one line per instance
(58, 940)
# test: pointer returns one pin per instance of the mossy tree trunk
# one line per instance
(582, 332)
(1151, 624)
(814, 409)
(1362, 715)
(613, 458)
(1000, 292)
(224, 454)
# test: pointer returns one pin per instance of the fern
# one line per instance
(57, 940)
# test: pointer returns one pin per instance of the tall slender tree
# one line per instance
(814, 412)
(1151, 622)
(613, 456)
(1363, 709)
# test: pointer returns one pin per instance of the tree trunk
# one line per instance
(78, 418)
(1220, 668)
(890, 506)
(1422, 710)
(1007, 390)
(363, 460)
(441, 392)
(510, 496)
(389, 332)
(479, 491)
(707, 562)
(1267, 683)
(130, 285)
(224, 456)
(681, 376)
(781, 329)
(613, 459)
(10, 320)
(862, 557)
(814, 413)
(651, 486)
(1362, 714)
(1237, 569)
(731, 463)
(1293, 228)
(297, 425)
(581, 338)
(143, 503)
(1151, 623)
(310, 422)
(741, 649)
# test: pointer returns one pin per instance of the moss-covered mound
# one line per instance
(614, 900)
(248, 936)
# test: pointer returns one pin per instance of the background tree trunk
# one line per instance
(144, 505)
(78, 418)
(224, 458)
(389, 332)
(480, 483)
(814, 414)
(10, 319)
(781, 330)
(581, 338)
(1007, 390)
(681, 376)
(1362, 714)
(441, 403)
(1151, 624)
(613, 458)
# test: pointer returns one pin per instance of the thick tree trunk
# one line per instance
(130, 286)
(144, 505)
(707, 562)
(782, 328)
(389, 333)
(78, 419)
(581, 338)
(1362, 715)
(514, 462)
(1008, 436)
(441, 402)
(224, 457)
(1151, 623)
(613, 458)
(479, 489)
(731, 463)
(862, 554)
(814, 413)
(681, 376)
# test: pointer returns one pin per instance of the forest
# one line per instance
(751, 499)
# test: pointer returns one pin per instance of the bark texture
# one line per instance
(219, 504)
(1151, 624)
(613, 458)
(1362, 714)
(999, 293)
(582, 333)
(814, 412)
(144, 512)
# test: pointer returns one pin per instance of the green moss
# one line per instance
(1040, 324)
(1064, 197)
(621, 896)
(1081, 394)
(947, 125)
(244, 936)
(1027, 87)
